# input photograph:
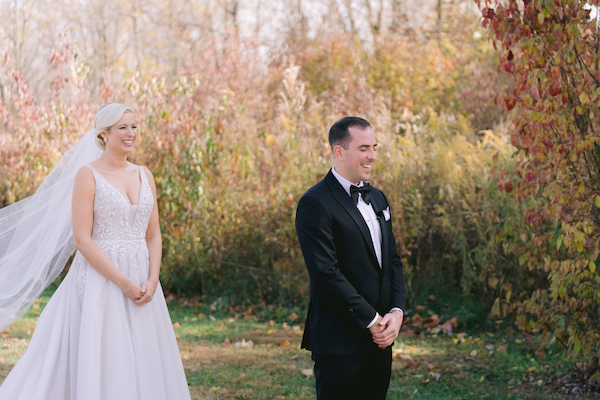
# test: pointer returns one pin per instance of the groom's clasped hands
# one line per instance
(385, 330)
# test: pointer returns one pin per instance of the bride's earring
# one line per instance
(103, 138)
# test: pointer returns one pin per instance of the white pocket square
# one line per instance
(386, 214)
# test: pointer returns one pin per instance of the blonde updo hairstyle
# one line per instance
(108, 115)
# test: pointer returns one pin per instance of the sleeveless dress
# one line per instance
(92, 342)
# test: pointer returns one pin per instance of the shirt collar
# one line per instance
(344, 182)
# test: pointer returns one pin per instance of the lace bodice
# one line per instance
(115, 218)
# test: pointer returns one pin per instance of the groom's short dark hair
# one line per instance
(339, 134)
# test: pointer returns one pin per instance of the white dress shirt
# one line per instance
(367, 212)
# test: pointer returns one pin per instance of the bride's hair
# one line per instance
(107, 115)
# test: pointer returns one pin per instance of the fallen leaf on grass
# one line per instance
(243, 375)
(285, 343)
(432, 321)
(461, 335)
(227, 342)
(307, 371)
(215, 388)
(541, 355)
(473, 353)
(293, 316)
(221, 325)
(453, 321)
(436, 376)
(176, 325)
(7, 345)
(285, 326)
(271, 323)
(489, 346)
(405, 356)
(212, 318)
(243, 343)
(448, 328)
(35, 306)
(426, 381)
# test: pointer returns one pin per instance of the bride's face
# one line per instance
(122, 135)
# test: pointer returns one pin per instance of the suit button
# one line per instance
(351, 310)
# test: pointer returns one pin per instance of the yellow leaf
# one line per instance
(597, 201)
(592, 266)
(482, 378)
(215, 388)
(584, 98)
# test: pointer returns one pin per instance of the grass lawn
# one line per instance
(237, 355)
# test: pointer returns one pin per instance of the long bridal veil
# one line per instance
(36, 238)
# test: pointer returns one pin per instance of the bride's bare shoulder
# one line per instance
(84, 179)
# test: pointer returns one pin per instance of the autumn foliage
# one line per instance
(551, 52)
(234, 141)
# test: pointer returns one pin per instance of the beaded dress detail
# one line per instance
(92, 342)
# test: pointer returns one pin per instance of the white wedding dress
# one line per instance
(92, 342)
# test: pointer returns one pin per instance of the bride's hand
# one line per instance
(147, 292)
(135, 291)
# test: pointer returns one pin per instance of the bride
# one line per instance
(105, 333)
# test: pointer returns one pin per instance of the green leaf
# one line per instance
(597, 201)
(592, 267)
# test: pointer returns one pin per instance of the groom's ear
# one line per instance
(338, 152)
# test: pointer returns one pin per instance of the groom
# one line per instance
(356, 280)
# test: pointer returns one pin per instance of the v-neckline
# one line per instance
(122, 194)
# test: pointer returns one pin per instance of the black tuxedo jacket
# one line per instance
(347, 286)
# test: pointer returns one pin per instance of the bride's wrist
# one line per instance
(125, 284)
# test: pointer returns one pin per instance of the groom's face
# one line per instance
(355, 162)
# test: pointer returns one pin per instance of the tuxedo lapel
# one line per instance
(348, 204)
(378, 207)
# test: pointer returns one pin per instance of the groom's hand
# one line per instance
(376, 328)
(390, 323)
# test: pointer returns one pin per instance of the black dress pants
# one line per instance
(353, 377)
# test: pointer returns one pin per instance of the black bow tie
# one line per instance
(364, 190)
